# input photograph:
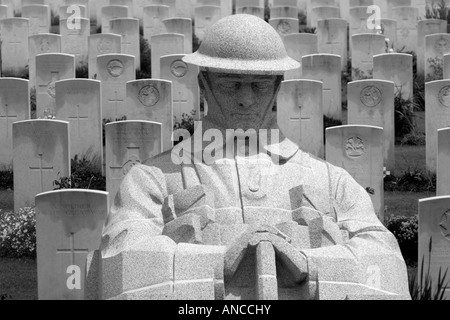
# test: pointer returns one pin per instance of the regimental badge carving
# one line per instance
(444, 225)
(179, 68)
(51, 89)
(444, 96)
(283, 27)
(442, 45)
(371, 96)
(104, 46)
(115, 68)
(44, 46)
(149, 96)
(355, 147)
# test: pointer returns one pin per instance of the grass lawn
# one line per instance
(18, 279)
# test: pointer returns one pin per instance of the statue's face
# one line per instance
(245, 100)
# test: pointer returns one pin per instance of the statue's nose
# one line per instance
(246, 96)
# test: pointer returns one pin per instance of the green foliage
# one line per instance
(308, 30)
(437, 10)
(404, 115)
(82, 71)
(18, 233)
(414, 139)
(187, 122)
(405, 230)
(411, 181)
(33, 102)
(329, 123)
(423, 288)
(86, 174)
(7, 179)
(358, 74)
(54, 18)
(146, 63)
(22, 74)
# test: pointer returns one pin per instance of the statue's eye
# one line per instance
(229, 85)
(262, 85)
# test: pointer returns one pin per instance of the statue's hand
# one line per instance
(292, 258)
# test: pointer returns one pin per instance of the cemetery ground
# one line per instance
(18, 277)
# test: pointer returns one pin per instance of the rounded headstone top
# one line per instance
(243, 44)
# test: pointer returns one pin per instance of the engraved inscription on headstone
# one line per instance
(148, 96)
(371, 96)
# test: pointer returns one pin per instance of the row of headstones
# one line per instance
(371, 103)
(69, 223)
(86, 103)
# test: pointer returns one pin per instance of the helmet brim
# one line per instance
(258, 67)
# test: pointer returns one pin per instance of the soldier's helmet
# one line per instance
(243, 44)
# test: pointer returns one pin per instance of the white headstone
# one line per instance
(205, 17)
(41, 44)
(443, 162)
(183, 9)
(39, 16)
(391, 4)
(285, 26)
(407, 18)
(112, 12)
(78, 101)
(69, 225)
(371, 103)
(180, 26)
(99, 44)
(249, 3)
(365, 46)
(41, 156)
(283, 12)
(326, 68)
(300, 114)
(10, 5)
(114, 71)
(171, 3)
(127, 3)
(424, 28)
(129, 143)
(254, 11)
(185, 89)
(65, 12)
(389, 31)
(321, 13)
(151, 100)
(332, 38)
(358, 20)
(153, 17)
(14, 107)
(297, 46)
(14, 46)
(75, 41)
(162, 45)
(3, 12)
(437, 116)
(436, 46)
(51, 67)
(398, 68)
(359, 150)
(84, 3)
(128, 28)
(434, 234)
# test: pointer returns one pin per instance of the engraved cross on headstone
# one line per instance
(41, 169)
(115, 102)
(78, 119)
(6, 116)
(72, 250)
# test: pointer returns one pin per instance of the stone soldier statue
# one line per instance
(256, 218)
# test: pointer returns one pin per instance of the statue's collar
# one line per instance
(274, 144)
